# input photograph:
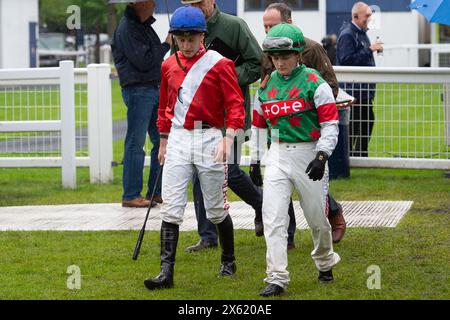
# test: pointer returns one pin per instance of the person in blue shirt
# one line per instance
(354, 49)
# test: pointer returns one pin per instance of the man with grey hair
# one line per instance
(314, 56)
(354, 49)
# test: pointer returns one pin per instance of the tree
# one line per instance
(112, 19)
(96, 17)
(52, 15)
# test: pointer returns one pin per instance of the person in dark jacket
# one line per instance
(138, 54)
(354, 49)
(329, 44)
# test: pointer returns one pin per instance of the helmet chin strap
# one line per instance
(176, 49)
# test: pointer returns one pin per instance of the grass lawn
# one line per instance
(413, 257)
(409, 121)
(33, 103)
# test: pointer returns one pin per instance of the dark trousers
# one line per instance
(333, 206)
(207, 230)
(241, 184)
(362, 119)
(292, 223)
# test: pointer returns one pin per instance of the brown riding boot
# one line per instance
(338, 225)
(138, 202)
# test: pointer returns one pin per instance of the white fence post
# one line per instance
(447, 112)
(68, 148)
(105, 54)
(100, 137)
(434, 63)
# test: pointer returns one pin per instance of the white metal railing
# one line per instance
(412, 116)
(53, 109)
(78, 55)
(438, 55)
(412, 112)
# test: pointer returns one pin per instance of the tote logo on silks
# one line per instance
(285, 108)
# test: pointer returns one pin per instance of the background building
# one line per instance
(18, 33)
(394, 23)
(404, 32)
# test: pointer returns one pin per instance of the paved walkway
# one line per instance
(112, 216)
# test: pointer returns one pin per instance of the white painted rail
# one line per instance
(62, 80)
(412, 116)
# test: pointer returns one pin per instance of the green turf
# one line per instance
(408, 121)
(119, 109)
(413, 257)
(34, 103)
(42, 103)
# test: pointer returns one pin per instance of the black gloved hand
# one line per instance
(255, 174)
(317, 166)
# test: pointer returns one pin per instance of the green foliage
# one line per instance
(94, 14)
(52, 13)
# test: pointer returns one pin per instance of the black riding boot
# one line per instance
(169, 240)
(226, 239)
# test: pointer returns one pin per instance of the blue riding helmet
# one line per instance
(187, 20)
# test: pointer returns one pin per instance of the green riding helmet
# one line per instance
(284, 37)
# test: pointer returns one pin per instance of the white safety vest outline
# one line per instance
(191, 83)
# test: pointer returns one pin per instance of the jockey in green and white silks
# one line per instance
(298, 108)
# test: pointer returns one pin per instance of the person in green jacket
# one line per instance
(230, 36)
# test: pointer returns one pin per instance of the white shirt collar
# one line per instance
(356, 26)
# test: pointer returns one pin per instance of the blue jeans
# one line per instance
(142, 104)
(241, 184)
